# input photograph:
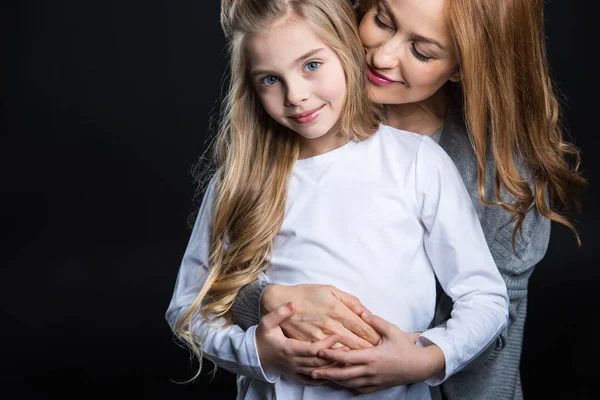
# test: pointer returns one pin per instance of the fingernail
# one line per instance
(366, 314)
(290, 306)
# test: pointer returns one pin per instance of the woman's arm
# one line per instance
(321, 310)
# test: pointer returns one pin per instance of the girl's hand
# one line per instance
(294, 358)
(397, 360)
(322, 311)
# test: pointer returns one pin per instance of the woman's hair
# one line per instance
(254, 155)
(509, 105)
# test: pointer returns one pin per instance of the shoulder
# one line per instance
(392, 135)
(412, 150)
(403, 145)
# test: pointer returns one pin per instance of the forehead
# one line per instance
(424, 17)
(281, 43)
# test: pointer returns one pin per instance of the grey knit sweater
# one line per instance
(495, 374)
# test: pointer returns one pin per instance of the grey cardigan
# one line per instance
(495, 374)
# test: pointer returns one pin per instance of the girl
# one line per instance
(305, 185)
(473, 75)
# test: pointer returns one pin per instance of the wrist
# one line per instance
(433, 361)
(269, 299)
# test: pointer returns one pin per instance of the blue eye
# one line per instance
(269, 80)
(311, 66)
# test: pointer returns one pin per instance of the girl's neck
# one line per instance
(324, 144)
(424, 117)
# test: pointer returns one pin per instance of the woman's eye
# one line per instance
(419, 55)
(311, 66)
(379, 22)
(269, 80)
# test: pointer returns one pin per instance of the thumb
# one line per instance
(382, 326)
(352, 302)
(277, 316)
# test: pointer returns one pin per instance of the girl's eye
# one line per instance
(418, 55)
(311, 66)
(269, 80)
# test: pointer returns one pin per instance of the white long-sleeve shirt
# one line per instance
(379, 219)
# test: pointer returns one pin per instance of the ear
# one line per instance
(456, 76)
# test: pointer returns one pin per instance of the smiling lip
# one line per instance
(308, 116)
(379, 79)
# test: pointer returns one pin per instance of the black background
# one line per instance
(105, 108)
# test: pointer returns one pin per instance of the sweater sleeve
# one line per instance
(456, 246)
(227, 346)
(246, 306)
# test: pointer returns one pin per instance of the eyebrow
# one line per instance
(301, 58)
(413, 36)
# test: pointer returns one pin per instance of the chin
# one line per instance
(312, 135)
(382, 96)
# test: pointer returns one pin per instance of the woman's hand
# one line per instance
(294, 358)
(397, 360)
(322, 311)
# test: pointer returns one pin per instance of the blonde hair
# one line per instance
(509, 105)
(255, 155)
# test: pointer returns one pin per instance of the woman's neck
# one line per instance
(425, 117)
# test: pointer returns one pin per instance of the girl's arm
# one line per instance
(262, 351)
(458, 252)
(516, 267)
(456, 246)
(230, 347)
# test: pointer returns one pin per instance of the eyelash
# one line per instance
(379, 22)
(312, 62)
(262, 81)
(419, 56)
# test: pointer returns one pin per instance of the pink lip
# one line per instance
(308, 116)
(379, 79)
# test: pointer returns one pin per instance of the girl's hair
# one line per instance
(510, 106)
(255, 155)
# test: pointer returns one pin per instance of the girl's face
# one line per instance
(409, 50)
(299, 79)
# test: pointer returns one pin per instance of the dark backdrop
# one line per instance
(105, 109)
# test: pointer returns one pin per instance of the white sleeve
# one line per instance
(229, 347)
(462, 262)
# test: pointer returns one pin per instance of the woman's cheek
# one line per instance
(367, 32)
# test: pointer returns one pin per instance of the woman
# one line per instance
(472, 74)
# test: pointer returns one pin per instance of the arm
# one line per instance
(230, 347)
(247, 305)
(262, 351)
(459, 254)
(456, 247)
(321, 310)
(516, 268)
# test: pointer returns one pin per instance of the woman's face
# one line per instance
(408, 48)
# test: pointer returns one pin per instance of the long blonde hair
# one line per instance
(255, 155)
(509, 105)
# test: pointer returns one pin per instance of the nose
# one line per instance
(297, 92)
(386, 55)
